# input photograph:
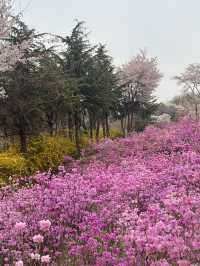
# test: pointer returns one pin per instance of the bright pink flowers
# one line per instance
(136, 201)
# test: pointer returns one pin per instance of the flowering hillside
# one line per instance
(133, 201)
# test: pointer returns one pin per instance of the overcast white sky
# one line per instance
(168, 29)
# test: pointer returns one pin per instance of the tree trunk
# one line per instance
(50, 126)
(77, 133)
(131, 122)
(91, 127)
(23, 141)
(107, 126)
(50, 122)
(97, 131)
(83, 122)
(70, 126)
(128, 123)
(196, 111)
(123, 126)
(103, 127)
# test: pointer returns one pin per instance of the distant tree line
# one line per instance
(68, 83)
(187, 102)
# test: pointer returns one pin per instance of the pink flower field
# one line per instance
(132, 201)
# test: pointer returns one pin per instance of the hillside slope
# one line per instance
(134, 201)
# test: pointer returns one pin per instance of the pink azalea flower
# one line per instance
(35, 256)
(20, 226)
(38, 239)
(45, 259)
(45, 225)
(19, 263)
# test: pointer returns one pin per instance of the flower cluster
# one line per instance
(136, 201)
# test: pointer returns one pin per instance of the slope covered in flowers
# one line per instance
(135, 201)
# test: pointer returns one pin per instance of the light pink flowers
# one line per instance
(45, 225)
(19, 263)
(45, 259)
(38, 239)
(20, 226)
(184, 263)
(35, 256)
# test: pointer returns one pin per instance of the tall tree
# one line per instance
(51, 85)
(138, 79)
(77, 57)
(104, 93)
(21, 107)
(190, 80)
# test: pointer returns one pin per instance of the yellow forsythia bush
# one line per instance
(12, 164)
(44, 152)
(115, 133)
(47, 152)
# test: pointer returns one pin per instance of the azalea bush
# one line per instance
(134, 201)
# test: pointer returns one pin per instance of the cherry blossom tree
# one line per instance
(141, 74)
(9, 53)
(6, 18)
(139, 78)
(190, 80)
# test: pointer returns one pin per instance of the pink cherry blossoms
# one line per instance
(128, 202)
(10, 53)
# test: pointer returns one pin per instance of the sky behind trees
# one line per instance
(168, 29)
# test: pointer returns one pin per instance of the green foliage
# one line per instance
(21, 109)
(78, 91)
